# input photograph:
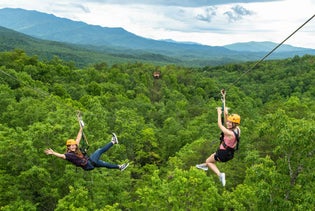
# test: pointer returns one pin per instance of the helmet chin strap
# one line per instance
(233, 125)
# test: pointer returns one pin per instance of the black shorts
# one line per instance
(224, 155)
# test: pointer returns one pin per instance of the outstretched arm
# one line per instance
(52, 152)
(222, 128)
(79, 136)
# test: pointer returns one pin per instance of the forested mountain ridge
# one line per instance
(118, 42)
(165, 127)
(79, 55)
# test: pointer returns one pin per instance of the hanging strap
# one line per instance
(84, 144)
(223, 103)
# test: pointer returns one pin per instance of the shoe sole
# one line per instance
(202, 168)
(116, 139)
(125, 167)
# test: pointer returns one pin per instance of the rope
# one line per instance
(268, 54)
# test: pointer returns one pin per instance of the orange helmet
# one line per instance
(235, 118)
(70, 142)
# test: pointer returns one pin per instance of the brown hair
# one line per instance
(77, 151)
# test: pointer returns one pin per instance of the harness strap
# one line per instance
(226, 146)
(237, 139)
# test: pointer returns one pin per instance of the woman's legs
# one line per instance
(211, 164)
(95, 157)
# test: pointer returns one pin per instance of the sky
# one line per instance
(208, 22)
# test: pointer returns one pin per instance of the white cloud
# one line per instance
(210, 22)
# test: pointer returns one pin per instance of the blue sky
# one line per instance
(209, 22)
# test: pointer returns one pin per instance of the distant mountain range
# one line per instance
(119, 43)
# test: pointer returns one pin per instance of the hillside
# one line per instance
(110, 40)
(80, 55)
(263, 47)
(165, 126)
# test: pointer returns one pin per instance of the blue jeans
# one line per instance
(95, 158)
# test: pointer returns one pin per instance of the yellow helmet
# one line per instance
(70, 142)
(235, 118)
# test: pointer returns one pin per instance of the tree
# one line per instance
(179, 190)
(77, 199)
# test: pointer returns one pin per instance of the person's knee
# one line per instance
(210, 159)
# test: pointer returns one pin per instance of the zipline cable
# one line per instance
(262, 59)
(42, 94)
(22, 82)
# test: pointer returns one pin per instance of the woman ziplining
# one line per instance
(81, 159)
(228, 141)
(230, 134)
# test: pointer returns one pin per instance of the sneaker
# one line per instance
(123, 166)
(114, 139)
(222, 178)
(202, 166)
